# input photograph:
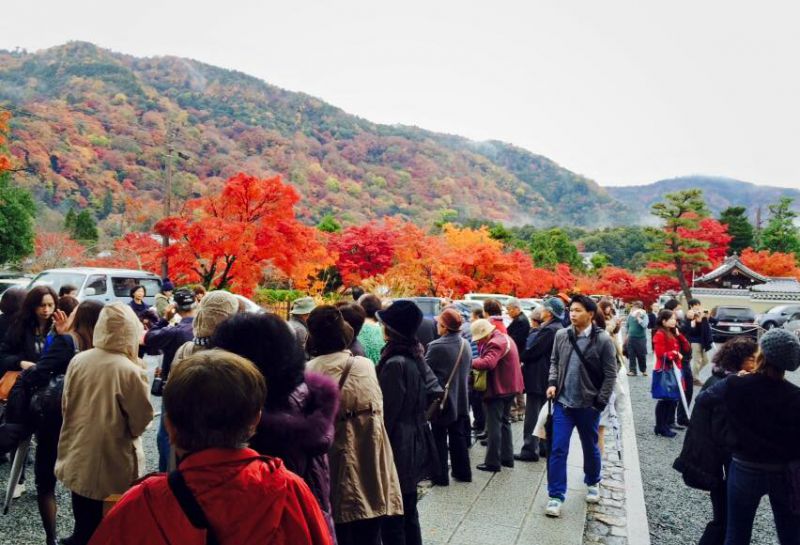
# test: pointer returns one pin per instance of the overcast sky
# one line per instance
(624, 92)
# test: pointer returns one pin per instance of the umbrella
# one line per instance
(20, 456)
(679, 377)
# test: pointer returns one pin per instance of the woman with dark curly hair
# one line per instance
(297, 421)
(735, 355)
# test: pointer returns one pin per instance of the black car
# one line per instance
(728, 322)
(777, 316)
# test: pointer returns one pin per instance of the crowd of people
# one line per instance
(325, 424)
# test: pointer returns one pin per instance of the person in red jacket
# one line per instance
(669, 346)
(498, 356)
(213, 403)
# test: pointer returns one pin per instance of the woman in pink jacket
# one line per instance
(498, 356)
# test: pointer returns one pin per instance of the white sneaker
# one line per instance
(19, 490)
(593, 494)
(553, 507)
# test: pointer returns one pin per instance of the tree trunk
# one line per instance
(685, 287)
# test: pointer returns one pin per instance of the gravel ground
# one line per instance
(22, 525)
(677, 514)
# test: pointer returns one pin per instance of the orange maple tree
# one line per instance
(228, 239)
(771, 263)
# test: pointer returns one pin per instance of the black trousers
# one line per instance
(405, 529)
(88, 514)
(500, 446)
(476, 404)
(714, 533)
(665, 411)
(637, 354)
(46, 453)
(453, 439)
(360, 532)
(533, 405)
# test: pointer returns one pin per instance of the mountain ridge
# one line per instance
(100, 118)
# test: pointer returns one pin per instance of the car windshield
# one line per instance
(57, 279)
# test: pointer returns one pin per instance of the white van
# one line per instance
(98, 284)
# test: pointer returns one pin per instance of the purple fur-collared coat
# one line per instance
(302, 434)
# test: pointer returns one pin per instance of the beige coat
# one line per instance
(364, 481)
(106, 406)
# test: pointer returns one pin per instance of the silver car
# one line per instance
(793, 324)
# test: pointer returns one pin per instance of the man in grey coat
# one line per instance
(583, 369)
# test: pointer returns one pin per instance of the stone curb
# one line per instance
(638, 528)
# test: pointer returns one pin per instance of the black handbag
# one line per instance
(46, 402)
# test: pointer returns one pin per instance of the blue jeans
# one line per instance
(162, 442)
(564, 421)
(746, 487)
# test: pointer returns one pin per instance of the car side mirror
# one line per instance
(88, 292)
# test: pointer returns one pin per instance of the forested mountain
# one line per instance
(92, 128)
(720, 193)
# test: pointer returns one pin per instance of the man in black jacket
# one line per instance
(535, 370)
(518, 330)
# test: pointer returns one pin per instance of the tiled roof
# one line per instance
(789, 286)
(729, 264)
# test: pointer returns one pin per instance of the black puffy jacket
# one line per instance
(704, 454)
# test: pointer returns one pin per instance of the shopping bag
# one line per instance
(665, 384)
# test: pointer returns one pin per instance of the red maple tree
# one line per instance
(228, 239)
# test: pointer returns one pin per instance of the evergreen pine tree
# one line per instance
(739, 227)
(85, 228)
(781, 234)
(17, 213)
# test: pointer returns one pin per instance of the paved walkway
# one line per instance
(505, 508)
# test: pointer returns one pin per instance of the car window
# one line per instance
(99, 283)
(795, 316)
(122, 285)
(57, 279)
(733, 313)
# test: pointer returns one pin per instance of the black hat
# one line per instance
(403, 317)
(184, 299)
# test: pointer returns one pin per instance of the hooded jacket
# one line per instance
(302, 434)
(364, 482)
(245, 499)
(106, 406)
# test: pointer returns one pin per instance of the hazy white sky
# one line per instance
(624, 92)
